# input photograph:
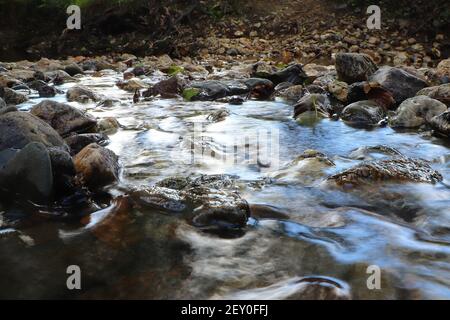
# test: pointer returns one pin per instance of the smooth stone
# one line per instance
(362, 113)
(416, 111)
(354, 67)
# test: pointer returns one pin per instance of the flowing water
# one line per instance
(402, 228)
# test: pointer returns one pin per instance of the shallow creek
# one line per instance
(402, 228)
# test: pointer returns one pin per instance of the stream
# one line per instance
(404, 229)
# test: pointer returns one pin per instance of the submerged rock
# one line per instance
(17, 129)
(416, 111)
(27, 172)
(96, 166)
(64, 118)
(354, 67)
(218, 115)
(362, 113)
(108, 125)
(205, 201)
(363, 153)
(400, 169)
(401, 84)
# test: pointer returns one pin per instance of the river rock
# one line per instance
(27, 172)
(354, 67)
(339, 90)
(205, 201)
(73, 69)
(210, 90)
(169, 88)
(17, 129)
(96, 166)
(362, 113)
(400, 169)
(293, 74)
(441, 93)
(64, 118)
(81, 94)
(416, 111)
(443, 68)
(441, 123)
(77, 142)
(401, 84)
(2, 103)
(63, 170)
(12, 97)
(316, 104)
(43, 88)
(108, 125)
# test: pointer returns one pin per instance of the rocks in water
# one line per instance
(364, 153)
(320, 288)
(371, 91)
(169, 88)
(96, 166)
(12, 97)
(27, 172)
(210, 90)
(306, 168)
(364, 113)
(63, 172)
(108, 125)
(292, 93)
(441, 93)
(259, 88)
(2, 103)
(17, 129)
(354, 67)
(131, 85)
(441, 124)
(314, 104)
(73, 69)
(401, 84)
(293, 74)
(43, 88)
(400, 169)
(77, 142)
(81, 94)
(416, 111)
(218, 115)
(63, 118)
(205, 201)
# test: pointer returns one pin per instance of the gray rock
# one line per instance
(17, 129)
(211, 90)
(401, 84)
(362, 113)
(441, 123)
(416, 111)
(441, 93)
(2, 103)
(319, 104)
(28, 173)
(354, 67)
(77, 142)
(81, 94)
(400, 169)
(73, 69)
(63, 118)
(12, 97)
(293, 74)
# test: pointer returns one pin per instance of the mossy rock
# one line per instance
(190, 93)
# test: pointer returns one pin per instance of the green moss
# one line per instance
(189, 93)
(173, 70)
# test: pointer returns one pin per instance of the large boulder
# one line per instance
(17, 129)
(362, 113)
(416, 111)
(27, 172)
(401, 84)
(441, 93)
(399, 169)
(354, 67)
(63, 118)
(96, 166)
